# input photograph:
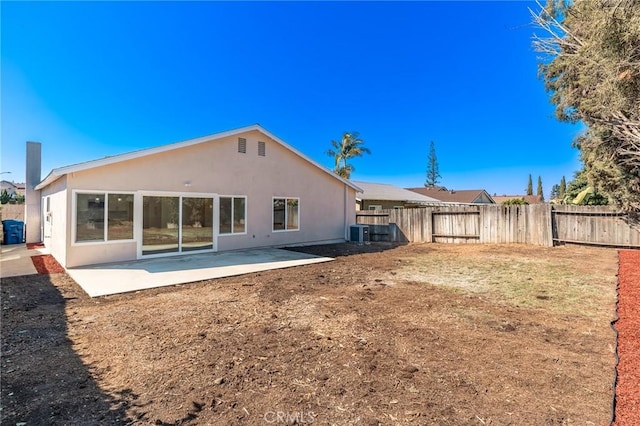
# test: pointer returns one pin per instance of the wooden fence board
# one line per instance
(537, 224)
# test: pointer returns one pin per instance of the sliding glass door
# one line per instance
(175, 224)
(197, 223)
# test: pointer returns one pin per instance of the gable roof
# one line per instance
(5, 184)
(386, 192)
(530, 199)
(61, 171)
(441, 193)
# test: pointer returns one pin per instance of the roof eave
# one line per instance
(59, 172)
(51, 177)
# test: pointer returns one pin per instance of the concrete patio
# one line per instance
(113, 278)
(15, 260)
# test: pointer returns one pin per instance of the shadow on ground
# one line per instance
(44, 380)
(346, 249)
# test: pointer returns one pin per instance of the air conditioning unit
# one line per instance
(359, 234)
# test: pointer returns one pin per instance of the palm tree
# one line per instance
(349, 147)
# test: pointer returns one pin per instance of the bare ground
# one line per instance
(420, 334)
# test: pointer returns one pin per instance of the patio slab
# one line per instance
(113, 278)
(15, 260)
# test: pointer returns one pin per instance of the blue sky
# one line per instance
(91, 79)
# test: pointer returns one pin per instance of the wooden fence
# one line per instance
(12, 211)
(537, 224)
(594, 225)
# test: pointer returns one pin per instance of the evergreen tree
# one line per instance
(4, 197)
(555, 192)
(562, 189)
(590, 195)
(433, 170)
(591, 70)
(539, 191)
(530, 186)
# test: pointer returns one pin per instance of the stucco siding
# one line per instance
(217, 167)
(56, 219)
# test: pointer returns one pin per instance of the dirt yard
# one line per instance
(420, 334)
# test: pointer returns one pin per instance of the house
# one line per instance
(464, 196)
(380, 196)
(529, 199)
(238, 189)
(13, 189)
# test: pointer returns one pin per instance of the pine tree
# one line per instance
(433, 170)
(530, 186)
(539, 191)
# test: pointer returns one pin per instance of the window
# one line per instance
(120, 217)
(286, 215)
(95, 210)
(262, 149)
(375, 207)
(90, 217)
(398, 207)
(233, 213)
(242, 145)
(176, 223)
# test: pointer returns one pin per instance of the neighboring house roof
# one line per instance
(454, 196)
(12, 187)
(61, 171)
(386, 192)
(5, 184)
(530, 199)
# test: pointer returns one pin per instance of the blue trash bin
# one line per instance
(13, 231)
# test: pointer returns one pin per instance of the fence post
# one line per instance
(548, 237)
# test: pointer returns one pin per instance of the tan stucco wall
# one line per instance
(217, 167)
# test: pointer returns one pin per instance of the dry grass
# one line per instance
(512, 276)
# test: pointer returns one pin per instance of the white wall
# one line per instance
(58, 219)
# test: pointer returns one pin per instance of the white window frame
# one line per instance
(138, 216)
(246, 209)
(74, 217)
(374, 207)
(285, 214)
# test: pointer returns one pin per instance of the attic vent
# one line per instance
(262, 149)
(242, 145)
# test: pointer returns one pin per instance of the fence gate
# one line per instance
(595, 226)
(455, 226)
